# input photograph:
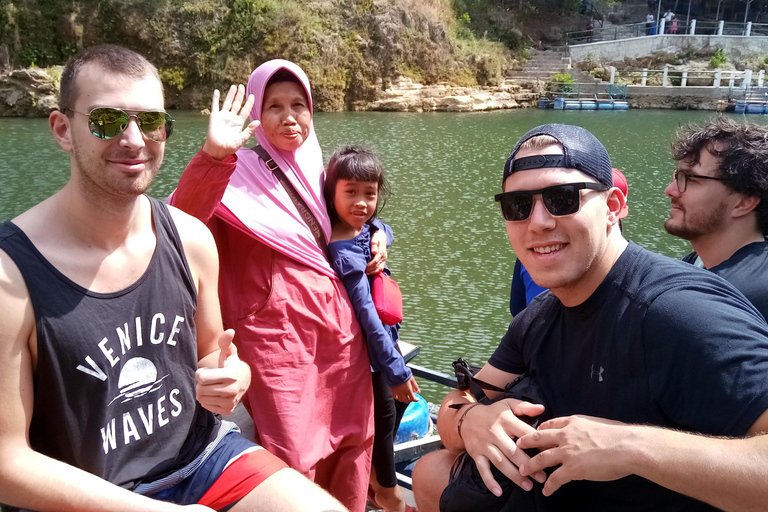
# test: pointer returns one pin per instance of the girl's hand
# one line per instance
(225, 128)
(379, 252)
(406, 392)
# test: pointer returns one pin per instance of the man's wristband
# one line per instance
(463, 415)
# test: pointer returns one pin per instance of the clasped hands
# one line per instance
(580, 447)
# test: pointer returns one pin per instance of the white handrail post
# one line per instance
(760, 78)
(661, 26)
(720, 27)
(732, 79)
(684, 79)
(613, 75)
(747, 79)
(718, 77)
(749, 28)
(664, 82)
(645, 77)
(692, 30)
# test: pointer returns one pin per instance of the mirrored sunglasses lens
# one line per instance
(157, 126)
(516, 207)
(106, 123)
(562, 200)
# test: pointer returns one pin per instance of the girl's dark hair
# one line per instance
(354, 163)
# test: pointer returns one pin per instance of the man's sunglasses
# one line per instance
(559, 200)
(107, 122)
(682, 177)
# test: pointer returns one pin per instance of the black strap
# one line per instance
(465, 377)
(538, 162)
(298, 201)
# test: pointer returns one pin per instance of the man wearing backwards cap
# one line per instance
(637, 358)
(524, 289)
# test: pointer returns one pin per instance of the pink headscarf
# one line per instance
(255, 196)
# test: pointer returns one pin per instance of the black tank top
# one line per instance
(115, 384)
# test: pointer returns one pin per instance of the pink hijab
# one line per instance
(255, 196)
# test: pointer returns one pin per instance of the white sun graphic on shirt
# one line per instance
(137, 378)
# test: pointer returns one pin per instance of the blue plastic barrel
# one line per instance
(620, 105)
(544, 103)
(765, 110)
(572, 105)
(415, 422)
(588, 105)
(754, 108)
(559, 102)
(740, 108)
(604, 105)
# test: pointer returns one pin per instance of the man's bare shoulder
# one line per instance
(14, 301)
(191, 230)
(197, 240)
(41, 215)
(10, 275)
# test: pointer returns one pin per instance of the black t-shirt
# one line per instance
(659, 342)
(747, 270)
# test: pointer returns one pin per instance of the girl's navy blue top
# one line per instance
(349, 258)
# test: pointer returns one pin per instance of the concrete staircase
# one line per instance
(757, 95)
(540, 67)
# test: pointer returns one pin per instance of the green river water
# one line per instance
(451, 255)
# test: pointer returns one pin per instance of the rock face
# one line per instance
(34, 92)
(406, 96)
(31, 92)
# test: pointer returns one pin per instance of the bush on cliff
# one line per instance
(350, 49)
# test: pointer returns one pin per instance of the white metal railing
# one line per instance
(692, 27)
(669, 77)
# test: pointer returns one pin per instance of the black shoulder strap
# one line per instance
(298, 201)
(465, 377)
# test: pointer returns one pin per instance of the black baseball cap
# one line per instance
(582, 151)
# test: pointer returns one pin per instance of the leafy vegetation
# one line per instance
(351, 49)
(718, 59)
(560, 82)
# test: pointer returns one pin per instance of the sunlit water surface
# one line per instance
(451, 255)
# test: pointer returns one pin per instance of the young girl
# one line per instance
(354, 184)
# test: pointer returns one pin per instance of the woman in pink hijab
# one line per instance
(310, 396)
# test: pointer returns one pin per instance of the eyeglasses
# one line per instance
(108, 122)
(682, 177)
(559, 200)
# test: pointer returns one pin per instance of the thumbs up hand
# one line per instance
(219, 388)
(227, 350)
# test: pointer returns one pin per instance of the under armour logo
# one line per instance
(598, 373)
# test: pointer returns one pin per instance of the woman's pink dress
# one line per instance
(310, 395)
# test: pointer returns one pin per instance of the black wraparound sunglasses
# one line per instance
(108, 122)
(559, 200)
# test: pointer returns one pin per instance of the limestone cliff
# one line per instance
(29, 92)
(352, 50)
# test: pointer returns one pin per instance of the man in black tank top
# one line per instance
(113, 361)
